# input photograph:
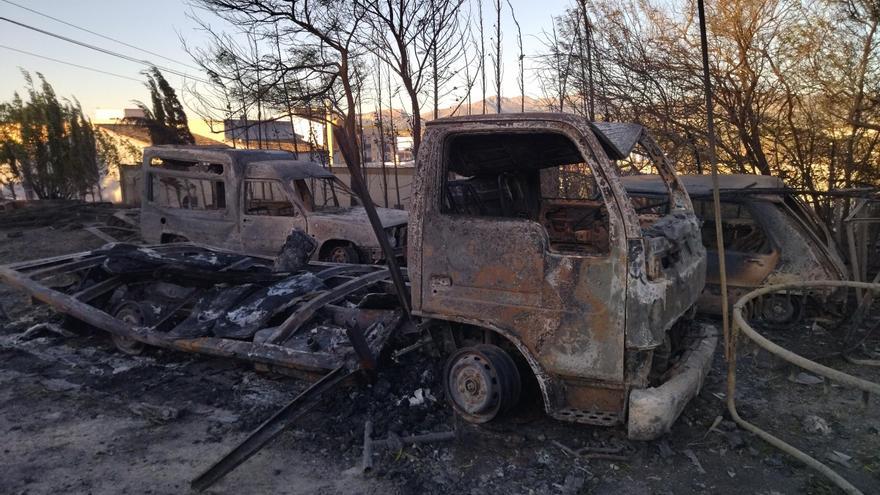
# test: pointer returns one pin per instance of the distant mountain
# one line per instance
(511, 104)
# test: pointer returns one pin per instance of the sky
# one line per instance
(158, 26)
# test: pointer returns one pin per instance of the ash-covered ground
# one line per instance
(78, 416)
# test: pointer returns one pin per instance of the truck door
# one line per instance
(521, 238)
(268, 216)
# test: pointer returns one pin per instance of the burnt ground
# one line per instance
(77, 416)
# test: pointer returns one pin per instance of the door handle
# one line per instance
(440, 282)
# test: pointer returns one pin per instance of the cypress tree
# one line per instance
(165, 119)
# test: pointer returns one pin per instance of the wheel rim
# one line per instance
(130, 314)
(339, 255)
(779, 310)
(481, 382)
(474, 385)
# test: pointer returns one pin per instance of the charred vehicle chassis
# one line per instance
(199, 299)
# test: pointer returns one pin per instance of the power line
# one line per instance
(99, 34)
(69, 63)
(104, 50)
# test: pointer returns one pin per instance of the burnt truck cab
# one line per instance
(250, 200)
(770, 237)
(521, 229)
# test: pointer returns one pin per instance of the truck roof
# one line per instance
(269, 164)
(237, 154)
(617, 138)
(701, 185)
(287, 169)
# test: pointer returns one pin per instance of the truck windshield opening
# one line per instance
(324, 194)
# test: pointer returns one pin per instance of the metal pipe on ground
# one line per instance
(740, 323)
(371, 445)
(270, 429)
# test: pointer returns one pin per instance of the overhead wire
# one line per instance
(104, 50)
(69, 63)
(115, 40)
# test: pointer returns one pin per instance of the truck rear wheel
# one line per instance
(481, 382)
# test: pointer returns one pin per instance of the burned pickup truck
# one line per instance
(250, 200)
(527, 263)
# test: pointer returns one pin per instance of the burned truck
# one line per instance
(527, 264)
(522, 233)
(250, 200)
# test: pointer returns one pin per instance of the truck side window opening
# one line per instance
(539, 176)
(268, 198)
(188, 194)
(305, 194)
(187, 166)
(742, 233)
(573, 211)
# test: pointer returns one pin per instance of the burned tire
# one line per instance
(342, 253)
(781, 310)
(132, 314)
(481, 382)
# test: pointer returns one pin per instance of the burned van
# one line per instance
(250, 200)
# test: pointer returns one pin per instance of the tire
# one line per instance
(781, 311)
(342, 253)
(130, 313)
(481, 382)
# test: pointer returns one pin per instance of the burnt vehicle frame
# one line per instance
(250, 200)
(771, 237)
(155, 295)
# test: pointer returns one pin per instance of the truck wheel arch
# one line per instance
(545, 381)
(169, 237)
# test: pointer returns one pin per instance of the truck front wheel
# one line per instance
(481, 382)
(341, 253)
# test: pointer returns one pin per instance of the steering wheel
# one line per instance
(511, 200)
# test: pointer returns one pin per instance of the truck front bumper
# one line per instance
(652, 411)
